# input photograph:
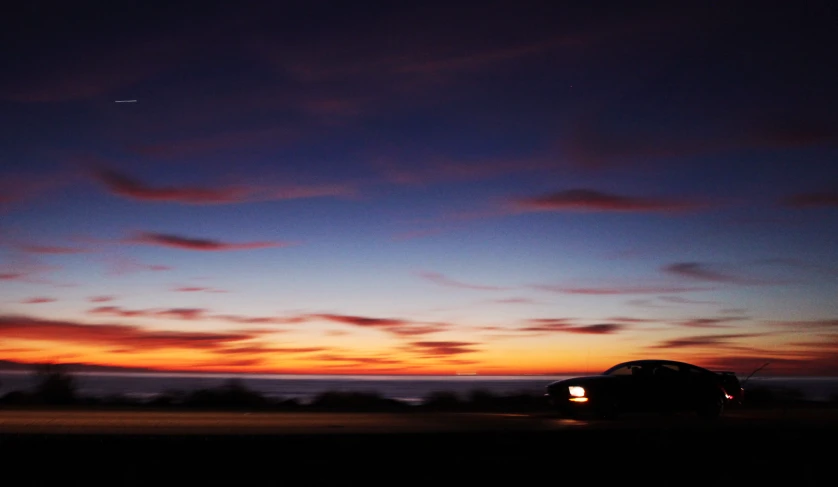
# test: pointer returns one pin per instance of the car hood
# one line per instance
(582, 380)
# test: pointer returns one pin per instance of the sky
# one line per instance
(498, 188)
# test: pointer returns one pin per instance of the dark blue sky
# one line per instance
(419, 187)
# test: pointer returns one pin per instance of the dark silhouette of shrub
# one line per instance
(233, 394)
(442, 401)
(54, 385)
(355, 401)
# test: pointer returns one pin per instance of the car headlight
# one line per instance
(576, 391)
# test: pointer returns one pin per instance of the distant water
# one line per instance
(410, 389)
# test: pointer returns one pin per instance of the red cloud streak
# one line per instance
(590, 200)
(122, 336)
(443, 280)
(188, 243)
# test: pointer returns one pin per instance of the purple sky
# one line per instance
(419, 187)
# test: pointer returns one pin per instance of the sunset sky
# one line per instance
(419, 188)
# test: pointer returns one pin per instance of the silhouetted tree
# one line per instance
(54, 385)
(442, 401)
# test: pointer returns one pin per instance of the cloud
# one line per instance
(189, 243)
(38, 300)
(683, 300)
(443, 348)
(190, 314)
(822, 199)
(123, 185)
(703, 272)
(590, 200)
(123, 336)
(562, 326)
(129, 187)
(515, 301)
(100, 299)
(120, 266)
(195, 289)
(260, 349)
(703, 341)
(51, 249)
(395, 326)
(442, 280)
(810, 324)
(619, 290)
(12, 276)
(710, 322)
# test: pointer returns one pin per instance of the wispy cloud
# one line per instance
(52, 249)
(122, 336)
(704, 341)
(443, 280)
(704, 272)
(515, 301)
(443, 348)
(198, 289)
(719, 322)
(683, 300)
(596, 201)
(100, 299)
(39, 300)
(619, 290)
(815, 199)
(123, 185)
(130, 187)
(807, 324)
(190, 314)
(562, 326)
(396, 326)
(120, 266)
(201, 244)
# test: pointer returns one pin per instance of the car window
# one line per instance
(692, 372)
(620, 370)
(665, 370)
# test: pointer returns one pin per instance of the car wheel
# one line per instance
(713, 408)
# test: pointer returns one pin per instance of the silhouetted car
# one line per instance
(663, 386)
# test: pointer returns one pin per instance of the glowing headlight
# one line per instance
(576, 391)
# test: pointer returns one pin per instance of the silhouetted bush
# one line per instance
(233, 394)
(355, 401)
(54, 385)
(442, 401)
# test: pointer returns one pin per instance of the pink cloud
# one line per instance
(100, 299)
(823, 199)
(119, 266)
(704, 341)
(129, 187)
(721, 322)
(132, 337)
(590, 200)
(194, 289)
(562, 326)
(123, 185)
(618, 290)
(443, 280)
(443, 348)
(188, 243)
(51, 249)
(38, 300)
(703, 272)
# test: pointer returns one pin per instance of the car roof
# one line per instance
(656, 361)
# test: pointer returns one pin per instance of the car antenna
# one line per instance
(754, 372)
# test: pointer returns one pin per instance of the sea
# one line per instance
(409, 389)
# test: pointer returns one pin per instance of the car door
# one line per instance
(665, 389)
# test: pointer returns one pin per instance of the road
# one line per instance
(234, 423)
(109, 448)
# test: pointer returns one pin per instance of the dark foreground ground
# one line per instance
(146, 448)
